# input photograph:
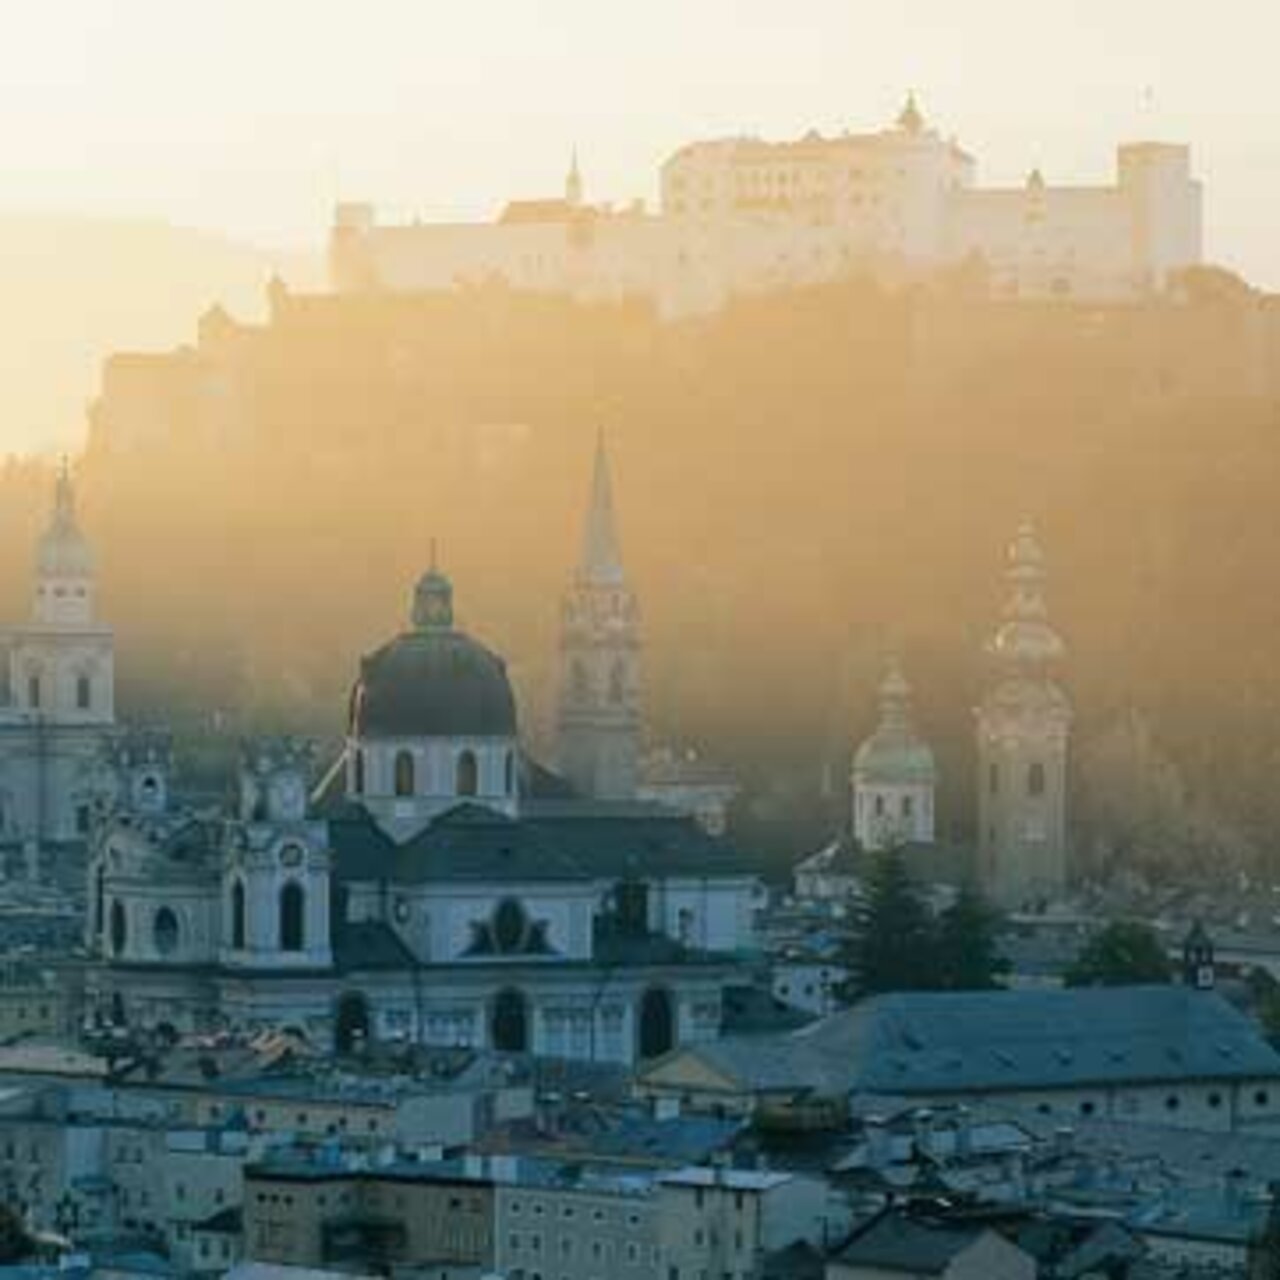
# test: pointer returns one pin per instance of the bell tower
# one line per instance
(1023, 732)
(599, 705)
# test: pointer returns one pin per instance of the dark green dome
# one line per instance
(433, 681)
(432, 684)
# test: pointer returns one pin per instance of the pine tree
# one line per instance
(967, 954)
(894, 949)
(1125, 953)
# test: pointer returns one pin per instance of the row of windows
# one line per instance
(1036, 782)
(36, 691)
(1171, 1103)
(466, 774)
(600, 1250)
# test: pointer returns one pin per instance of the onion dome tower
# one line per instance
(599, 719)
(894, 775)
(432, 721)
(1023, 731)
(64, 564)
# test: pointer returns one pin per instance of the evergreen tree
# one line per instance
(1125, 953)
(15, 1242)
(967, 955)
(894, 949)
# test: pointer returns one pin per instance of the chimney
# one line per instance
(879, 1142)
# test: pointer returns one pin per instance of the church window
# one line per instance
(33, 692)
(632, 904)
(908, 806)
(164, 931)
(237, 916)
(119, 928)
(84, 693)
(879, 806)
(84, 816)
(580, 681)
(99, 899)
(404, 774)
(509, 773)
(993, 778)
(1035, 780)
(510, 926)
(293, 903)
(617, 683)
(357, 773)
(6, 678)
(467, 780)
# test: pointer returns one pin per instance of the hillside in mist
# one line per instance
(73, 289)
(797, 480)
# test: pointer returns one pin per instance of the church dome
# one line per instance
(888, 757)
(894, 753)
(433, 681)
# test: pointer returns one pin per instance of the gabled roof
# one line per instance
(895, 1242)
(574, 841)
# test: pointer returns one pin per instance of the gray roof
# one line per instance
(574, 841)
(944, 1043)
(959, 1041)
(895, 1242)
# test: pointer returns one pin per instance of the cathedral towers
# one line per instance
(598, 718)
(1023, 731)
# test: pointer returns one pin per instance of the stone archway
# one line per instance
(509, 1022)
(351, 1023)
(656, 1032)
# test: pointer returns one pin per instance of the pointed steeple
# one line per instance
(601, 561)
(573, 189)
(910, 119)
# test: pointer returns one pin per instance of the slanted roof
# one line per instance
(1007, 1040)
(572, 841)
(896, 1242)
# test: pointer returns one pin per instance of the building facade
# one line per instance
(744, 215)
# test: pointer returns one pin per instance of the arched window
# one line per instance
(84, 693)
(238, 928)
(510, 1022)
(509, 773)
(99, 900)
(293, 906)
(467, 780)
(119, 928)
(33, 692)
(357, 773)
(657, 1023)
(164, 931)
(404, 774)
(510, 925)
(580, 681)
(993, 778)
(617, 682)
(1035, 779)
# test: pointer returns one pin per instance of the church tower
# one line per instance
(1023, 730)
(57, 698)
(573, 185)
(599, 710)
(894, 774)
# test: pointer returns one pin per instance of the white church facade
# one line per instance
(438, 886)
(743, 216)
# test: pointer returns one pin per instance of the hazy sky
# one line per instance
(250, 116)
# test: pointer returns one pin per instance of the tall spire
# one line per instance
(573, 181)
(601, 560)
